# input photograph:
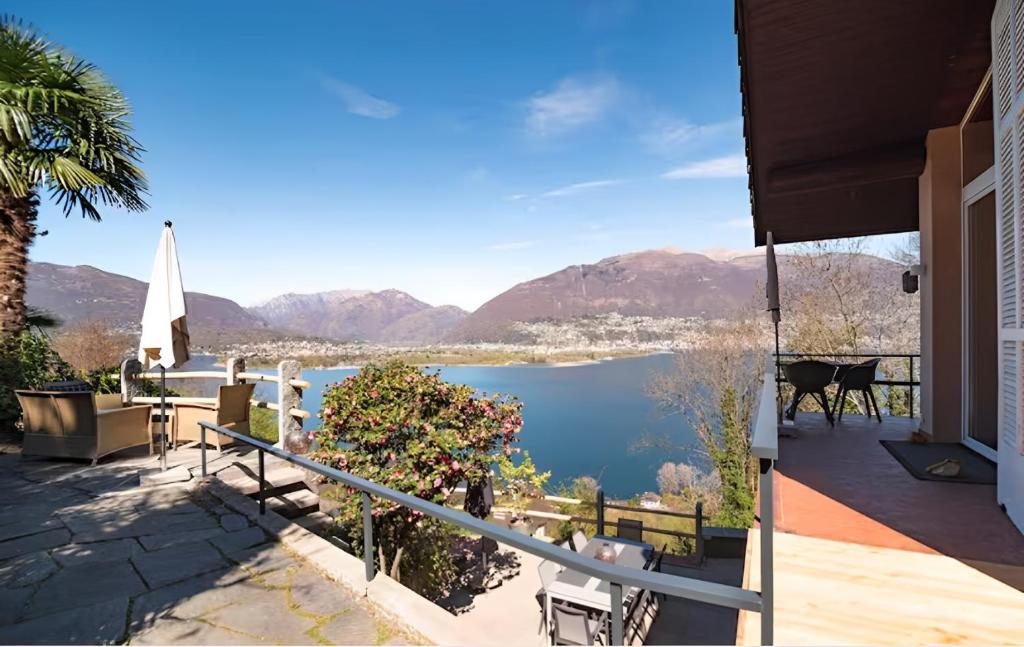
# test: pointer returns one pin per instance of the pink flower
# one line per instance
(328, 412)
(437, 482)
(455, 466)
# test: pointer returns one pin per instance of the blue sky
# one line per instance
(448, 149)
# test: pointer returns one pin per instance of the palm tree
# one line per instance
(64, 131)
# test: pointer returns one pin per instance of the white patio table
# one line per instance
(591, 592)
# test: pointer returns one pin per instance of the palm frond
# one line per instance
(64, 128)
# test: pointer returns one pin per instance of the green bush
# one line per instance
(26, 362)
(263, 424)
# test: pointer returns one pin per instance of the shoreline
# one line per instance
(447, 362)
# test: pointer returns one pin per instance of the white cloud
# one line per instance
(359, 101)
(669, 133)
(719, 167)
(515, 197)
(574, 102)
(520, 244)
(579, 187)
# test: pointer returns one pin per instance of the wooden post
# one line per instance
(288, 398)
(232, 368)
(600, 511)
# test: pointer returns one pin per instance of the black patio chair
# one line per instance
(859, 378)
(810, 377)
(630, 529)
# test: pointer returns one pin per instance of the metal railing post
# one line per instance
(699, 525)
(618, 635)
(368, 536)
(766, 487)
(202, 446)
(910, 386)
(600, 511)
(262, 493)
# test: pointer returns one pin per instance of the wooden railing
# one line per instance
(288, 378)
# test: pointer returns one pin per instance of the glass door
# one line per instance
(981, 326)
(980, 276)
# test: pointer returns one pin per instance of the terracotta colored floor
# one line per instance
(842, 484)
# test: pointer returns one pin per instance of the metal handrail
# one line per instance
(908, 383)
(764, 437)
(617, 576)
(764, 445)
(882, 355)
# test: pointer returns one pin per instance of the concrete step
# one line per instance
(279, 480)
(316, 522)
(294, 504)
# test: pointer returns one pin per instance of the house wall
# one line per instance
(939, 199)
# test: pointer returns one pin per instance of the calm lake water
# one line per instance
(577, 420)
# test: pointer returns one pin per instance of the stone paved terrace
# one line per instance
(88, 556)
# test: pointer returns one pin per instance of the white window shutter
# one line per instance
(1008, 91)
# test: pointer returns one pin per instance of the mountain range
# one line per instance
(81, 293)
(389, 316)
(655, 283)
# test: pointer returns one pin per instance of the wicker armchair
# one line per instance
(231, 411)
(70, 425)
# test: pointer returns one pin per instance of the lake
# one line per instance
(578, 420)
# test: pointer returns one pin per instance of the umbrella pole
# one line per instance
(163, 419)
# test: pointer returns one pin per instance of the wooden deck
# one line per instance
(867, 554)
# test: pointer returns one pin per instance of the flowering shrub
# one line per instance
(410, 431)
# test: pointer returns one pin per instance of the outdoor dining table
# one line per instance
(590, 592)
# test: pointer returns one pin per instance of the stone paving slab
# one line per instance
(349, 629)
(33, 543)
(12, 601)
(263, 559)
(187, 599)
(233, 522)
(258, 614)
(102, 623)
(191, 632)
(309, 591)
(114, 550)
(187, 566)
(80, 586)
(170, 565)
(111, 524)
(157, 542)
(16, 522)
(26, 570)
(239, 540)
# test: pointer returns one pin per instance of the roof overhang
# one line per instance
(838, 98)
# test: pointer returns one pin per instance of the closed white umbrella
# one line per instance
(164, 341)
(775, 308)
(772, 285)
